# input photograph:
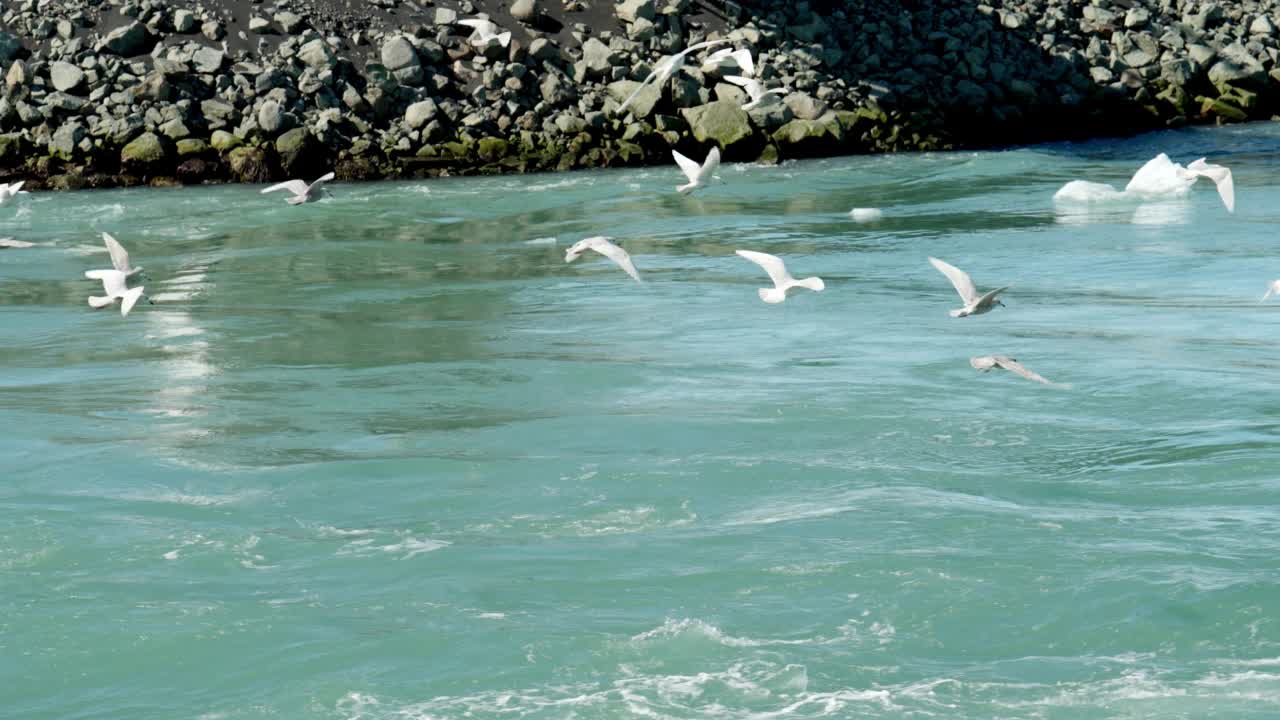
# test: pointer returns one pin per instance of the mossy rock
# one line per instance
(224, 141)
(147, 153)
(802, 138)
(491, 148)
(1223, 111)
(630, 153)
(12, 149)
(189, 147)
(455, 149)
(249, 165)
(768, 156)
(722, 123)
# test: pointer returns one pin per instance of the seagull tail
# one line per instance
(772, 295)
(97, 303)
(957, 313)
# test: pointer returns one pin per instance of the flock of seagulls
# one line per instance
(1158, 178)
(720, 59)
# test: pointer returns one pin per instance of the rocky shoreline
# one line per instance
(101, 93)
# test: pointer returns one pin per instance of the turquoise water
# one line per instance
(387, 456)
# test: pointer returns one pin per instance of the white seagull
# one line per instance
(8, 191)
(1159, 178)
(755, 89)
(119, 256)
(986, 363)
(11, 243)
(602, 245)
(782, 280)
(699, 175)
(113, 284)
(1272, 289)
(741, 57)
(667, 67)
(302, 192)
(974, 304)
(483, 31)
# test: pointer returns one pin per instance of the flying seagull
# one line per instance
(302, 192)
(483, 31)
(11, 243)
(1159, 178)
(974, 304)
(113, 284)
(755, 89)
(741, 57)
(1272, 289)
(986, 363)
(699, 175)
(667, 67)
(119, 256)
(602, 245)
(782, 280)
(8, 191)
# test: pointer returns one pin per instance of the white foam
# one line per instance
(866, 215)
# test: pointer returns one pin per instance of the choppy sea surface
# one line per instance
(388, 457)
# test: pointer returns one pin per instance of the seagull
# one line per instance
(11, 243)
(8, 191)
(741, 57)
(602, 245)
(301, 191)
(1272, 289)
(974, 304)
(484, 31)
(667, 67)
(755, 89)
(782, 280)
(986, 363)
(699, 175)
(119, 256)
(1159, 178)
(113, 284)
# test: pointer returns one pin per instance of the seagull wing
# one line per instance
(119, 256)
(710, 165)
(690, 168)
(751, 85)
(959, 278)
(1018, 368)
(742, 56)
(772, 264)
(1221, 176)
(297, 187)
(11, 243)
(322, 179)
(698, 46)
(643, 84)
(476, 23)
(15, 188)
(1272, 289)
(983, 362)
(617, 255)
(128, 299)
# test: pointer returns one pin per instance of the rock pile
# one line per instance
(107, 92)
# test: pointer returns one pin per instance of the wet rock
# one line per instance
(249, 165)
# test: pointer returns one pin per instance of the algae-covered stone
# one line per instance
(291, 142)
(1213, 107)
(146, 152)
(224, 141)
(642, 106)
(723, 123)
(192, 146)
(491, 148)
(810, 137)
(249, 165)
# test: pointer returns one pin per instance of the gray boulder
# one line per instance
(208, 60)
(65, 139)
(398, 53)
(66, 77)
(127, 41)
(629, 10)
(642, 106)
(420, 113)
(184, 21)
(270, 117)
(523, 10)
(10, 48)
